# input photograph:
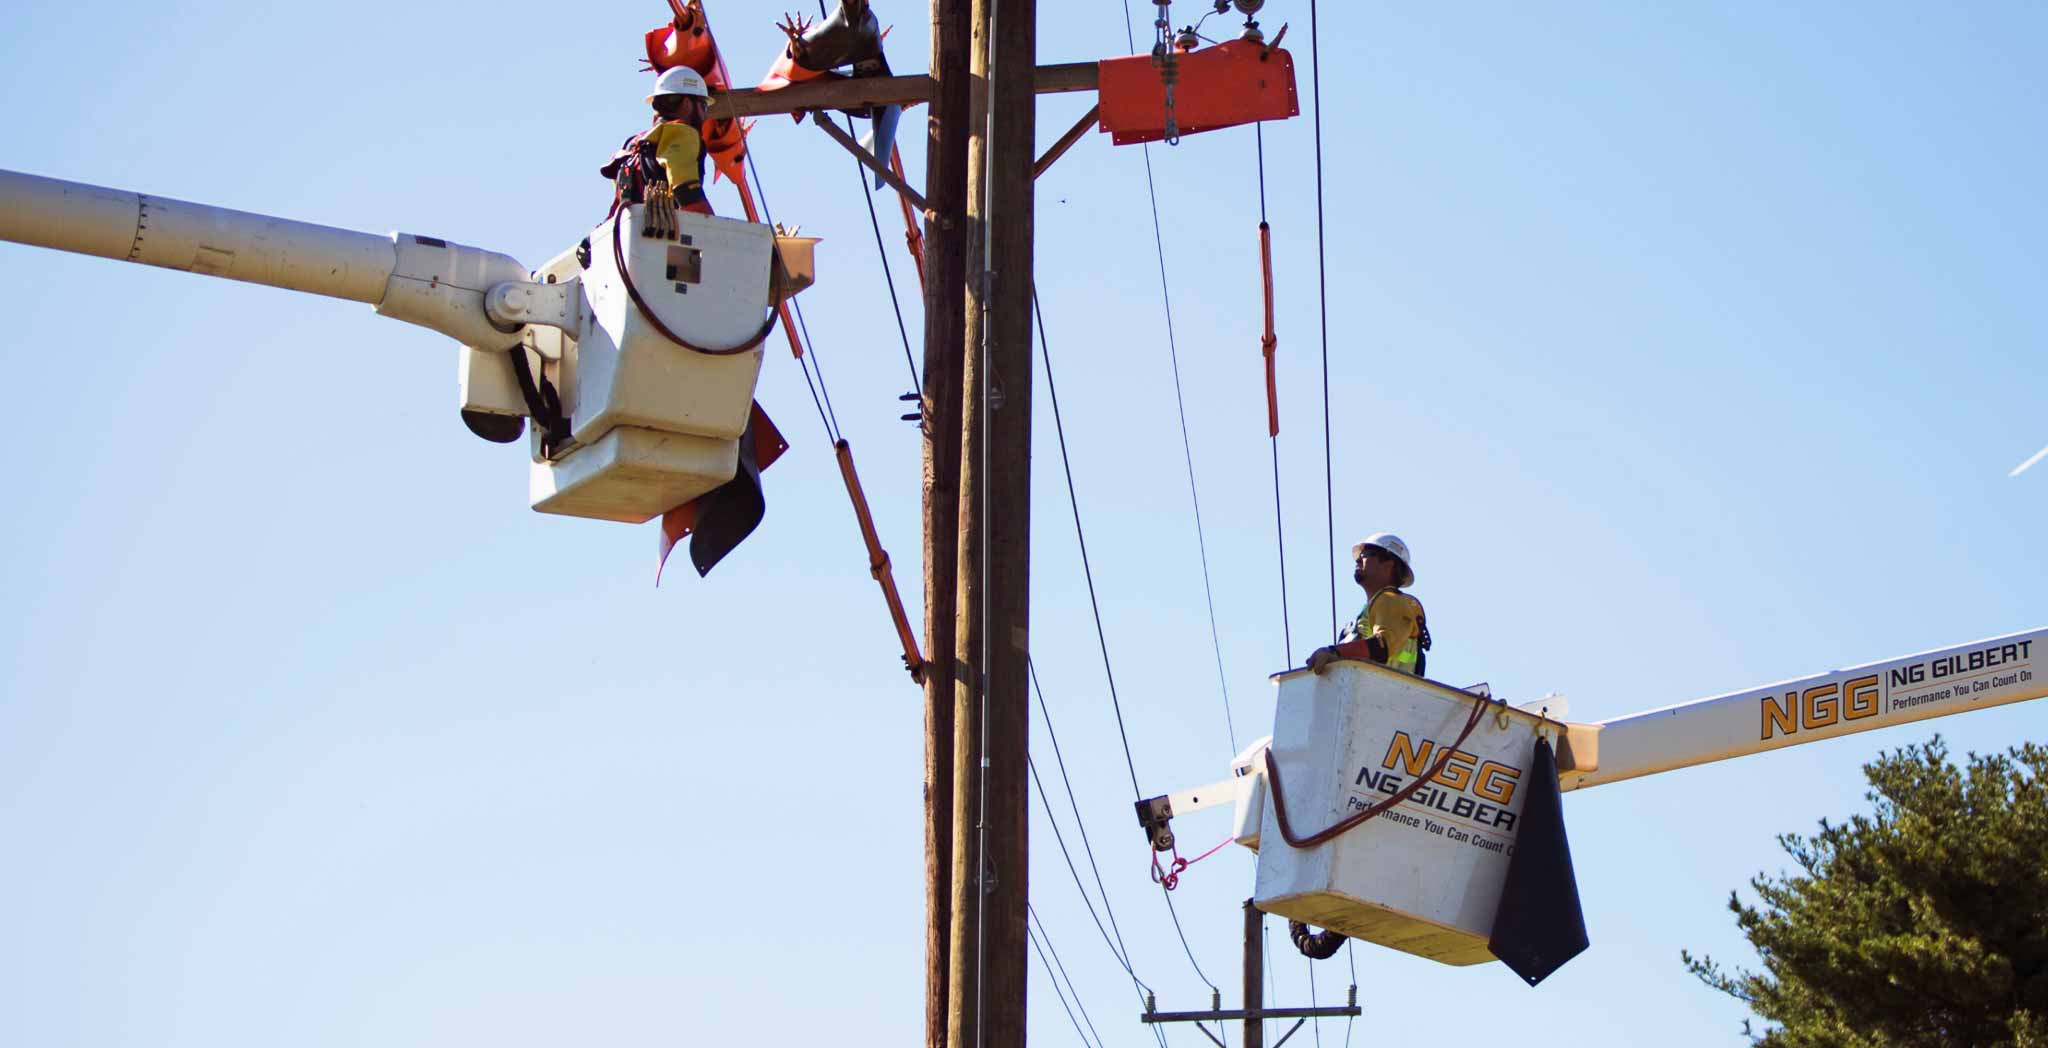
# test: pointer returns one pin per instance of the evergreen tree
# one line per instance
(1924, 923)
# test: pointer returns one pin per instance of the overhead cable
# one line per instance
(1323, 311)
(1072, 990)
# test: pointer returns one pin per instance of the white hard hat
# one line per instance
(682, 80)
(1392, 544)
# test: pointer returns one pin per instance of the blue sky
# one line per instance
(1689, 348)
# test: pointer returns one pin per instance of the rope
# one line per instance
(1169, 876)
(1443, 759)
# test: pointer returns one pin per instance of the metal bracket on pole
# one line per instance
(824, 120)
(1334, 1011)
(1066, 142)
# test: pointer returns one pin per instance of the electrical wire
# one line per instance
(1117, 949)
(1180, 402)
(1279, 518)
(1317, 1021)
(1032, 937)
(1075, 991)
(1101, 636)
(860, 173)
(809, 361)
(1352, 959)
(1323, 311)
(1081, 538)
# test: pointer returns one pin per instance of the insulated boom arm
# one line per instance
(1840, 702)
(421, 280)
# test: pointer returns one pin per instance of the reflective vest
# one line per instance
(1406, 655)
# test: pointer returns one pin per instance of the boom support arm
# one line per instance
(421, 280)
(1841, 702)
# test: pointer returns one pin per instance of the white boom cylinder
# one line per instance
(195, 238)
(1841, 702)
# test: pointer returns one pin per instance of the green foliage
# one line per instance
(1924, 923)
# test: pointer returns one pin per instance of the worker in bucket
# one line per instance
(663, 167)
(680, 102)
(1391, 629)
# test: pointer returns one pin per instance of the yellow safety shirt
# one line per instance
(1393, 618)
(681, 150)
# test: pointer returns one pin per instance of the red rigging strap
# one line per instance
(1269, 342)
(878, 562)
(1479, 704)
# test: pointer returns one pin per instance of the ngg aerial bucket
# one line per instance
(1426, 818)
(635, 353)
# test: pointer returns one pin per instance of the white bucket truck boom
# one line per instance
(1449, 772)
(635, 355)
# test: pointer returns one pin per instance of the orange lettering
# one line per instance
(1780, 717)
(1497, 782)
(1457, 773)
(1861, 694)
(1821, 707)
(1402, 749)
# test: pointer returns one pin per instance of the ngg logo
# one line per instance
(1490, 781)
(1820, 707)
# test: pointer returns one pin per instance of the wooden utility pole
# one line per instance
(944, 337)
(964, 969)
(1254, 977)
(1006, 322)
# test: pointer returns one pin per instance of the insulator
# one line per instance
(1247, 7)
(1187, 40)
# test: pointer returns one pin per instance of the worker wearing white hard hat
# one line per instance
(680, 100)
(1391, 629)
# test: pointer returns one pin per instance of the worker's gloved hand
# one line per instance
(1320, 658)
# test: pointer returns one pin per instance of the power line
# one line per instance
(1279, 519)
(861, 175)
(1312, 1002)
(1118, 950)
(1054, 979)
(1101, 636)
(1352, 959)
(1187, 447)
(1081, 538)
(1060, 838)
(1323, 311)
(806, 361)
(1046, 938)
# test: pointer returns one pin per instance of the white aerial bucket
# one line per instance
(1424, 876)
(656, 423)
